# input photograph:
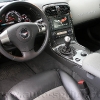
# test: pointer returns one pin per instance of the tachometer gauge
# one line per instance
(13, 16)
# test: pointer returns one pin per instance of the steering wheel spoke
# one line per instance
(4, 38)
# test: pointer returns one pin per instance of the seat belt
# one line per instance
(84, 89)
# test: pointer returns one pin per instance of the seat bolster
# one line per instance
(44, 83)
(33, 87)
(70, 86)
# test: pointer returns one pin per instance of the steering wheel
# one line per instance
(23, 34)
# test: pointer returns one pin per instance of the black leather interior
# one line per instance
(31, 88)
(70, 86)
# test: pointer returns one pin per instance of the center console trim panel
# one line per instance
(78, 57)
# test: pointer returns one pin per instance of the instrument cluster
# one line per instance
(12, 17)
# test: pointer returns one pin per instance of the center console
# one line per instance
(78, 61)
(62, 38)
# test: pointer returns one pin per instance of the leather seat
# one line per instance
(50, 85)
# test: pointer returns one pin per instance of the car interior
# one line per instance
(50, 50)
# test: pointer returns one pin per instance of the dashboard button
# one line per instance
(77, 59)
(83, 53)
(69, 31)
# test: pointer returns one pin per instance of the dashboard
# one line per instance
(81, 10)
(61, 22)
(17, 15)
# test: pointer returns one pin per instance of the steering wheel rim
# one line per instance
(7, 35)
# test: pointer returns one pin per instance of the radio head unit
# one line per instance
(59, 22)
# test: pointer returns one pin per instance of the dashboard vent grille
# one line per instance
(57, 10)
(51, 11)
(64, 9)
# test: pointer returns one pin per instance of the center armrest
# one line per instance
(92, 64)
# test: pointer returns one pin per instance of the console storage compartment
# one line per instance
(91, 64)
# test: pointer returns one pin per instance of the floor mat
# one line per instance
(12, 73)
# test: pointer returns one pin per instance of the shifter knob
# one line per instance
(67, 40)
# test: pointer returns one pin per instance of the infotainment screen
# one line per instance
(61, 22)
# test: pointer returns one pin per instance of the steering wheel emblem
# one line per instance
(24, 33)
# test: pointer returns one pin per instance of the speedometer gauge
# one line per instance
(13, 16)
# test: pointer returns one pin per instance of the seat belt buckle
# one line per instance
(84, 89)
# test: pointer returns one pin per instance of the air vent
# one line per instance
(64, 9)
(51, 11)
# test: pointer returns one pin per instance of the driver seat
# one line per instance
(50, 85)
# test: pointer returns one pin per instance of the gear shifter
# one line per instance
(67, 41)
(66, 50)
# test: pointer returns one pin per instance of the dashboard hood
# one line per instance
(81, 10)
